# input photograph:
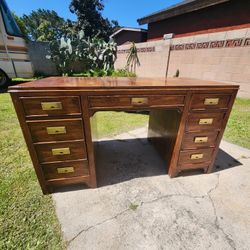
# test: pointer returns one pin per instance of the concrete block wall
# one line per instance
(221, 56)
(153, 58)
(41, 65)
(225, 56)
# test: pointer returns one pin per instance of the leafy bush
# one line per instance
(122, 73)
(90, 54)
(101, 73)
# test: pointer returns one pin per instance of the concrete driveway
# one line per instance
(137, 205)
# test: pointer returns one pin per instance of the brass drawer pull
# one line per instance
(60, 151)
(196, 156)
(139, 101)
(200, 139)
(211, 101)
(208, 121)
(65, 170)
(51, 105)
(56, 130)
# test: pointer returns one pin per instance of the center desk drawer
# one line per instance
(56, 130)
(51, 106)
(136, 101)
(209, 101)
(205, 121)
(61, 151)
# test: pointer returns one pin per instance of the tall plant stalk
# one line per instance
(132, 59)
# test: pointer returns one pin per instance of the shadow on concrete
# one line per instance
(122, 160)
(225, 161)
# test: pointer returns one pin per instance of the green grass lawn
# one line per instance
(27, 218)
(110, 123)
(238, 127)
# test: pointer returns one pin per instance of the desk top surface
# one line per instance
(95, 83)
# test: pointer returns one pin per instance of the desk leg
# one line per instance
(89, 142)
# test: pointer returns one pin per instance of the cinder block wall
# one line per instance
(41, 65)
(220, 56)
(153, 58)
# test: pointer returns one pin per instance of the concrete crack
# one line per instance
(216, 222)
(97, 224)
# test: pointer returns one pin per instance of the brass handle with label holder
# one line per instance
(203, 139)
(56, 130)
(65, 170)
(207, 121)
(196, 156)
(60, 151)
(211, 101)
(51, 105)
(139, 101)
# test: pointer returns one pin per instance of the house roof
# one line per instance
(127, 29)
(179, 9)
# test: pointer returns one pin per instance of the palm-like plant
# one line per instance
(132, 59)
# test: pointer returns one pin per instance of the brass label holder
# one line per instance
(196, 156)
(51, 105)
(211, 101)
(203, 139)
(139, 101)
(65, 170)
(207, 121)
(56, 130)
(60, 151)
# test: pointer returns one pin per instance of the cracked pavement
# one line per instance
(137, 206)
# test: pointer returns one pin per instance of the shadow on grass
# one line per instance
(122, 160)
(12, 83)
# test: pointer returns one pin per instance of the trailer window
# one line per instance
(9, 21)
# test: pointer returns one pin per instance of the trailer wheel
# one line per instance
(4, 79)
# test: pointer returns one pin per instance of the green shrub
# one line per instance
(122, 73)
(91, 54)
(101, 73)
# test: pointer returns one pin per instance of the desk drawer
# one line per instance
(65, 169)
(190, 166)
(51, 106)
(204, 121)
(204, 101)
(135, 101)
(56, 130)
(199, 140)
(195, 156)
(61, 151)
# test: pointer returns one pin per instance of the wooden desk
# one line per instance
(187, 121)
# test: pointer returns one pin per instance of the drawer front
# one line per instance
(204, 101)
(65, 169)
(135, 101)
(204, 121)
(51, 152)
(56, 130)
(199, 140)
(51, 106)
(190, 166)
(195, 156)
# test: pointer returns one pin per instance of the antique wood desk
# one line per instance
(186, 124)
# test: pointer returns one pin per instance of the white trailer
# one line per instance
(14, 58)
